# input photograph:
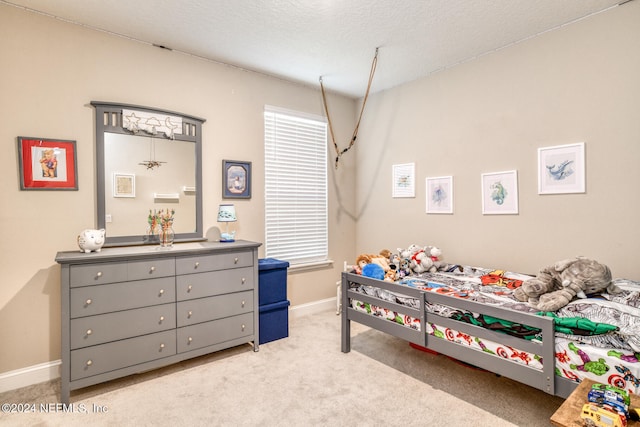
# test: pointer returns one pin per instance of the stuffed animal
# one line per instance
(435, 253)
(373, 270)
(420, 261)
(555, 286)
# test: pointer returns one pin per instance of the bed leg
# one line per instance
(346, 323)
(346, 333)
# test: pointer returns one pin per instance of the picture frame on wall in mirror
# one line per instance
(440, 195)
(236, 179)
(561, 169)
(47, 164)
(500, 193)
(124, 185)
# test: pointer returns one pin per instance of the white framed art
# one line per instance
(404, 180)
(561, 169)
(440, 195)
(124, 185)
(500, 193)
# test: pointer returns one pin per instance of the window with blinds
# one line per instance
(295, 186)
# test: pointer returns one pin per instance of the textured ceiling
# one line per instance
(301, 40)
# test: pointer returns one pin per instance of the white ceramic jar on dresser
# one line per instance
(131, 309)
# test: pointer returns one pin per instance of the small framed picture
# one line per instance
(47, 164)
(561, 169)
(236, 179)
(124, 185)
(404, 181)
(440, 195)
(500, 193)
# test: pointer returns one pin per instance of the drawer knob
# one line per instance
(189, 314)
(243, 280)
(152, 270)
(88, 302)
(89, 362)
(161, 319)
(99, 274)
(161, 292)
(189, 288)
(196, 265)
(89, 331)
(235, 260)
(242, 304)
(161, 346)
(243, 326)
(189, 340)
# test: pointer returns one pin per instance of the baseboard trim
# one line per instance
(48, 371)
(301, 310)
(30, 375)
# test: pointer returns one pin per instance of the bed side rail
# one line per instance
(378, 323)
(543, 380)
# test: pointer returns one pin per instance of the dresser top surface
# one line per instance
(146, 251)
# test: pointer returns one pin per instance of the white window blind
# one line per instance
(295, 186)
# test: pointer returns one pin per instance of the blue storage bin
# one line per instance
(274, 321)
(272, 277)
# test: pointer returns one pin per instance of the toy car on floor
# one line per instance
(612, 396)
(595, 415)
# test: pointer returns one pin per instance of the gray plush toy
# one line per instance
(557, 285)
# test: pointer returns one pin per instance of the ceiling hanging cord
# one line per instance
(364, 102)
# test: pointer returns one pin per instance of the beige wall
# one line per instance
(50, 72)
(579, 83)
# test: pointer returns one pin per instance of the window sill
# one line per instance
(310, 266)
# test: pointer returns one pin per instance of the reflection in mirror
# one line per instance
(139, 169)
(134, 187)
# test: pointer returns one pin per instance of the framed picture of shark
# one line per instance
(561, 169)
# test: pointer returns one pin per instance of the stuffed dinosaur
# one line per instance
(555, 286)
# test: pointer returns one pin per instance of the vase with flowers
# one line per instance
(152, 225)
(165, 233)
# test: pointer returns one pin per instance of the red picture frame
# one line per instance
(47, 164)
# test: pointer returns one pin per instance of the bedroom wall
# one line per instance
(50, 72)
(575, 84)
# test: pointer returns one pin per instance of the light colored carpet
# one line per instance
(301, 380)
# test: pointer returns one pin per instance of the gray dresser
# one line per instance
(130, 309)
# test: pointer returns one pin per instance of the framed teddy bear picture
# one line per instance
(47, 164)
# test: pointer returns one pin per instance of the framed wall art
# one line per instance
(124, 185)
(404, 180)
(236, 179)
(500, 193)
(561, 169)
(440, 195)
(47, 164)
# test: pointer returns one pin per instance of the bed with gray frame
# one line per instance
(547, 376)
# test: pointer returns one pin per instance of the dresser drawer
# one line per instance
(87, 331)
(121, 354)
(190, 286)
(215, 332)
(148, 269)
(91, 300)
(197, 264)
(97, 274)
(211, 308)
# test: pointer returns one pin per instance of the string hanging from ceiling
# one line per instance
(339, 153)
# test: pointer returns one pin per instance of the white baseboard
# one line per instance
(301, 310)
(30, 375)
(48, 371)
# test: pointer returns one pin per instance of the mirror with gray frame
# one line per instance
(147, 160)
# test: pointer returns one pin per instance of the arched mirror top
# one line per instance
(147, 160)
